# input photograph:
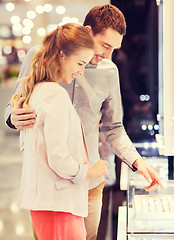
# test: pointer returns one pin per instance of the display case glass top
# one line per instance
(150, 215)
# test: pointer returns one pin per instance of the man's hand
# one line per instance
(21, 117)
(149, 174)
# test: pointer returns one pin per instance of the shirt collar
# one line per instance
(89, 65)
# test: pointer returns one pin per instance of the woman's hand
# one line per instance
(100, 169)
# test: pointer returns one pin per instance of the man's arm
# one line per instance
(117, 137)
(112, 126)
(19, 118)
(7, 116)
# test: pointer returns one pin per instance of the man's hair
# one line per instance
(106, 16)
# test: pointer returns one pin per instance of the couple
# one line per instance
(59, 156)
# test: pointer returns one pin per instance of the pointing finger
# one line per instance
(146, 175)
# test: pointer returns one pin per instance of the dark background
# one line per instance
(137, 62)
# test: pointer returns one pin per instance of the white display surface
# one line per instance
(121, 231)
(153, 207)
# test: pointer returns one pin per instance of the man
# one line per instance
(96, 96)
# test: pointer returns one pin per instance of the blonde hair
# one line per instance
(45, 65)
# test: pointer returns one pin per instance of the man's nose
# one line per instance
(107, 54)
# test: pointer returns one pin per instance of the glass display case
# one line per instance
(150, 215)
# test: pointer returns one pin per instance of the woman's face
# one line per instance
(74, 64)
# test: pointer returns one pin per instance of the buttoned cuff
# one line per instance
(134, 168)
(8, 122)
(131, 158)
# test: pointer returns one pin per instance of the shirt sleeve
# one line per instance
(112, 126)
(25, 68)
(56, 108)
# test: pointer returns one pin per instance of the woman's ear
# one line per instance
(61, 54)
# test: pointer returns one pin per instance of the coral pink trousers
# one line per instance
(51, 225)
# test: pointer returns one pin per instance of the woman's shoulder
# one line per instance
(49, 88)
(49, 93)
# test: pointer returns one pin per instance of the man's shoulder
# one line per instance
(107, 69)
(107, 64)
(104, 70)
(33, 50)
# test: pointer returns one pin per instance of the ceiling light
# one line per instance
(26, 30)
(41, 32)
(48, 7)
(60, 9)
(10, 6)
(39, 9)
(15, 19)
(17, 29)
(31, 14)
(26, 39)
(28, 23)
(7, 49)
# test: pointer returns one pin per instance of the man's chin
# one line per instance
(94, 61)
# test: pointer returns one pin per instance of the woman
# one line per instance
(54, 184)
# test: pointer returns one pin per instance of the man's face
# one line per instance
(105, 43)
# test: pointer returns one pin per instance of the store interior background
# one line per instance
(23, 23)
